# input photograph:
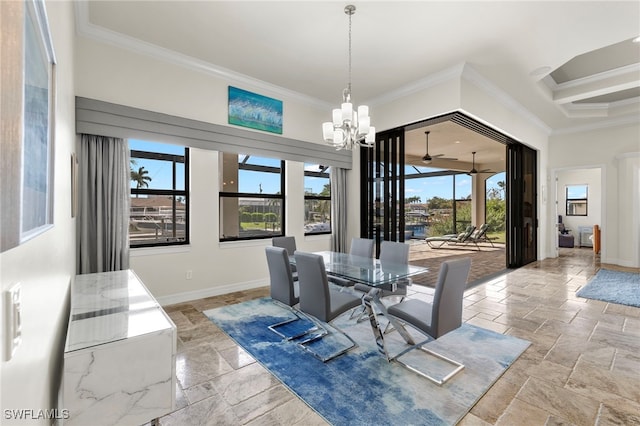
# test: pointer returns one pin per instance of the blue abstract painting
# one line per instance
(255, 111)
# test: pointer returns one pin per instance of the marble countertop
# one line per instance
(111, 306)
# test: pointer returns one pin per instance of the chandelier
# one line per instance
(349, 127)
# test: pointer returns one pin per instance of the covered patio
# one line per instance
(487, 262)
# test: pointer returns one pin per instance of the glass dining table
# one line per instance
(378, 276)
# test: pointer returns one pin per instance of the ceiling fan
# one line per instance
(427, 158)
(473, 170)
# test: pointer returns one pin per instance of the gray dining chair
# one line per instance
(283, 289)
(390, 252)
(321, 303)
(286, 242)
(289, 244)
(362, 247)
(440, 317)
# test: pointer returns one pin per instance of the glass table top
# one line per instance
(366, 270)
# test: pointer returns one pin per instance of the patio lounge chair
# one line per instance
(451, 239)
(480, 236)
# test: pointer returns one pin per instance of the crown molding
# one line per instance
(605, 75)
(473, 76)
(419, 85)
(86, 29)
(617, 122)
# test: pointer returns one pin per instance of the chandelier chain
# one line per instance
(349, 84)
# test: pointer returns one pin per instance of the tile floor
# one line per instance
(583, 367)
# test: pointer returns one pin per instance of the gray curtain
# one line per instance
(103, 204)
(338, 209)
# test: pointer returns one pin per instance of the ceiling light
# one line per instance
(349, 126)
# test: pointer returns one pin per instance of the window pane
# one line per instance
(158, 212)
(317, 216)
(259, 161)
(576, 200)
(317, 203)
(251, 175)
(157, 219)
(576, 191)
(250, 217)
(463, 214)
(255, 182)
(576, 207)
(463, 187)
(156, 174)
(317, 186)
(495, 206)
(438, 192)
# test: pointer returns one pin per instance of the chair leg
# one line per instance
(274, 327)
(458, 366)
(304, 343)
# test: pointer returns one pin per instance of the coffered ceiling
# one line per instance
(571, 65)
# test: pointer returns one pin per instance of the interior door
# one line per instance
(522, 221)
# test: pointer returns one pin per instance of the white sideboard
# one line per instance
(119, 360)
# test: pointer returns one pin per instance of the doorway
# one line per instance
(579, 208)
(387, 168)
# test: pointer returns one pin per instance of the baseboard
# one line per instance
(621, 262)
(209, 292)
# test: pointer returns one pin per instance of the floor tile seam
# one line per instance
(216, 395)
(608, 398)
(554, 413)
(292, 397)
(508, 410)
(221, 395)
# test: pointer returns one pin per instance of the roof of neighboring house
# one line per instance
(162, 201)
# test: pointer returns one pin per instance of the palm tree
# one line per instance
(141, 178)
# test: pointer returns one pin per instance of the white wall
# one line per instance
(591, 178)
(613, 150)
(115, 75)
(45, 265)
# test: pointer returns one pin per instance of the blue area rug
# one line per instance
(361, 387)
(614, 287)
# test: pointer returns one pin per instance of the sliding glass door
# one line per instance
(382, 201)
(522, 221)
(382, 198)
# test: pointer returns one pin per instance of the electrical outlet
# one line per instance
(189, 274)
(13, 320)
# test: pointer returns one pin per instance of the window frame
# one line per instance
(151, 155)
(242, 165)
(569, 201)
(325, 175)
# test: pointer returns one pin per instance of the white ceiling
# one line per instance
(301, 47)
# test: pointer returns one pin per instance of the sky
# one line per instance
(160, 173)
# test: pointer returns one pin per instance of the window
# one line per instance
(577, 200)
(428, 202)
(496, 206)
(159, 212)
(317, 199)
(251, 197)
(462, 205)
